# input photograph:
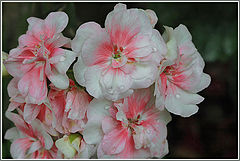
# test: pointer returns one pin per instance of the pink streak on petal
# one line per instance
(103, 53)
(122, 36)
(33, 85)
(19, 147)
(109, 123)
(114, 142)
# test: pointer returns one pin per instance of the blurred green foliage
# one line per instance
(212, 132)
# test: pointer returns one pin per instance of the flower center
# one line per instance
(169, 70)
(117, 52)
(118, 58)
(175, 68)
(132, 122)
(41, 50)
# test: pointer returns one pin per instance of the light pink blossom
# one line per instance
(130, 128)
(30, 111)
(180, 74)
(114, 60)
(29, 140)
(39, 56)
(69, 107)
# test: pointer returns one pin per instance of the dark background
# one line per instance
(212, 132)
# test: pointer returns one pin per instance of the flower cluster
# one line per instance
(129, 78)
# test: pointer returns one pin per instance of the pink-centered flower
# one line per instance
(114, 60)
(39, 56)
(69, 107)
(130, 128)
(29, 140)
(30, 111)
(17, 101)
(180, 74)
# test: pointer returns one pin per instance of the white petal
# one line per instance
(159, 45)
(115, 84)
(92, 77)
(131, 18)
(59, 80)
(144, 75)
(165, 116)
(187, 97)
(33, 21)
(187, 48)
(182, 34)
(119, 7)
(83, 33)
(63, 65)
(160, 102)
(139, 137)
(92, 133)
(171, 41)
(183, 103)
(204, 82)
(12, 134)
(95, 114)
(97, 110)
(152, 16)
(12, 87)
(56, 21)
(79, 69)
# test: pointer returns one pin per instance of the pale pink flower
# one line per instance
(114, 60)
(69, 107)
(29, 140)
(180, 74)
(131, 128)
(39, 56)
(29, 111)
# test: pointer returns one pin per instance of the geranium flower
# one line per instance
(39, 56)
(180, 74)
(29, 140)
(30, 111)
(69, 107)
(130, 128)
(115, 60)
